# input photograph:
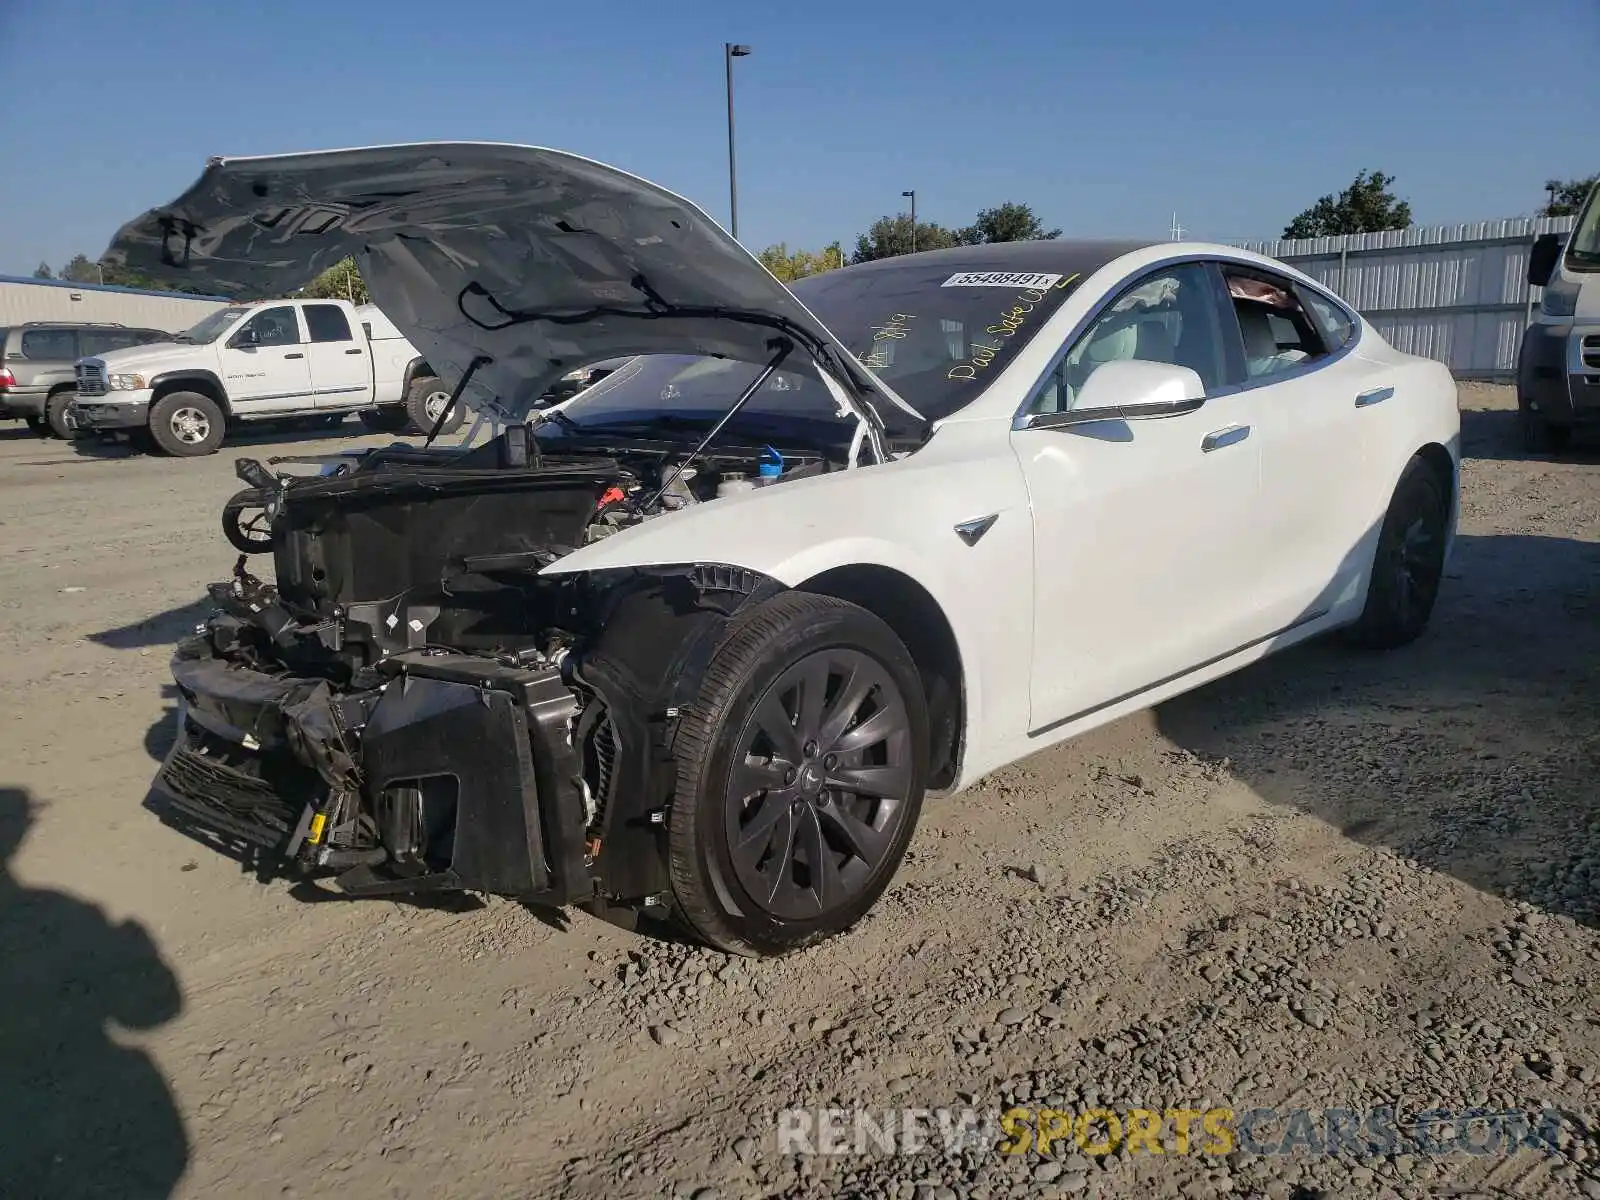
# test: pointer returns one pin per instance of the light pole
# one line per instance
(730, 51)
(913, 194)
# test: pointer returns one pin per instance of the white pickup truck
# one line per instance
(307, 362)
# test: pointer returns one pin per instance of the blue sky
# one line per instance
(1105, 117)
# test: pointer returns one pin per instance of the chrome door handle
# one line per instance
(287, 356)
(1375, 395)
(1218, 438)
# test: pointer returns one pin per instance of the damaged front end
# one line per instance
(412, 707)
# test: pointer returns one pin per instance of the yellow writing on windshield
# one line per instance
(981, 354)
(897, 327)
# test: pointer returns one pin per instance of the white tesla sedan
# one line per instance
(700, 639)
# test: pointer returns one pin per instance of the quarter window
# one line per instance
(275, 327)
(1277, 332)
(1169, 317)
(327, 323)
(1331, 320)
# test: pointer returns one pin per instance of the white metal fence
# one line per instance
(1457, 293)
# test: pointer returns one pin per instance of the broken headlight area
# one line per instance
(413, 707)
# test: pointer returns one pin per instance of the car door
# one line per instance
(1315, 471)
(1144, 556)
(341, 370)
(264, 364)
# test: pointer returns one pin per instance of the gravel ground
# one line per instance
(1327, 882)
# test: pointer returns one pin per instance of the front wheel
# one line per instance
(55, 414)
(186, 424)
(1409, 563)
(801, 771)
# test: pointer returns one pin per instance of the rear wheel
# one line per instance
(425, 400)
(1409, 562)
(186, 424)
(38, 425)
(55, 414)
(801, 771)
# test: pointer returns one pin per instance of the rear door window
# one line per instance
(1276, 331)
(50, 345)
(327, 323)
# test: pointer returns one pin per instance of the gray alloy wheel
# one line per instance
(801, 767)
(187, 424)
(821, 784)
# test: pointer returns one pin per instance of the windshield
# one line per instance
(213, 327)
(1583, 249)
(937, 335)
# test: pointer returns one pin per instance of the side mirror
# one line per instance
(1130, 389)
(248, 336)
(1542, 259)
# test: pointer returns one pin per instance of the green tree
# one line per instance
(122, 277)
(342, 281)
(81, 270)
(43, 271)
(788, 266)
(1366, 206)
(1567, 195)
(890, 236)
(1009, 222)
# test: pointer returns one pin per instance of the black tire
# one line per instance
(55, 414)
(424, 399)
(385, 420)
(37, 425)
(781, 648)
(186, 424)
(1539, 436)
(1409, 563)
(242, 518)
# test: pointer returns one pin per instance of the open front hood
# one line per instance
(538, 260)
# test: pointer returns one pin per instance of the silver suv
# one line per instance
(36, 357)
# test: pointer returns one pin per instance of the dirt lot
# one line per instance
(1326, 882)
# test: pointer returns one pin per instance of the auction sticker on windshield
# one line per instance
(1005, 279)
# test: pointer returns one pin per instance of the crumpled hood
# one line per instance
(539, 260)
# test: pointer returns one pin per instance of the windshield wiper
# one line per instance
(556, 417)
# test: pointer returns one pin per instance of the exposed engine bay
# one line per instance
(412, 706)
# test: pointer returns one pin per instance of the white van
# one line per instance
(1558, 365)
